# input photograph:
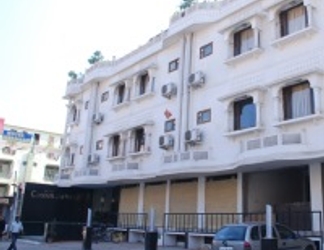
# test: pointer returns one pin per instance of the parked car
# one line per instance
(247, 236)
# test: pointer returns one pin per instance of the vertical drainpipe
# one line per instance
(185, 99)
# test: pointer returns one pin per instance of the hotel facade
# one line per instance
(223, 112)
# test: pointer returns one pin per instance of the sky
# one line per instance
(42, 40)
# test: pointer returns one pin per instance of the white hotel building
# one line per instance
(221, 112)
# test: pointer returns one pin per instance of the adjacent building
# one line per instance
(26, 156)
(221, 112)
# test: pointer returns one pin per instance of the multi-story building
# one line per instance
(26, 156)
(221, 112)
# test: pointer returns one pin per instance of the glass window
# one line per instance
(169, 125)
(204, 116)
(115, 146)
(206, 50)
(243, 41)
(244, 114)
(104, 96)
(298, 100)
(293, 19)
(255, 233)
(121, 93)
(285, 233)
(139, 140)
(99, 145)
(174, 65)
(86, 105)
(143, 83)
(233, 233)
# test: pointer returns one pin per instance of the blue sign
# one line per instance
(16, 136)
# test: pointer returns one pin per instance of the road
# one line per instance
(23, 244)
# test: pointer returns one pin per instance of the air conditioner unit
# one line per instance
(196, 79)
(97, 118)
(166, 141)
(93, 159)
(168, 90)
(193, 136)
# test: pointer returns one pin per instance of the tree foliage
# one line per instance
(72, 74)
(186, 4)
(96, 57)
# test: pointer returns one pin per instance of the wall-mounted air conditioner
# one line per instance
(166, 141)
(93, 159)
(168, 90)
(196, 79)
(193, 136)
(97, 118)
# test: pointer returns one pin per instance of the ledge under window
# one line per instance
(245, 55)
(299, 120)
(115, 158)
(121, 105)
(243, 131)
(293, 36)
(144, 96)
(139, 154)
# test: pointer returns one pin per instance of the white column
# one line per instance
(316, 192)
(140, 208)
(167, 201)
(317, 99)
(239, 201)
(201, 200)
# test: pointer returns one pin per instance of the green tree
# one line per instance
(96, 57)
(72, 74)
(186, 4)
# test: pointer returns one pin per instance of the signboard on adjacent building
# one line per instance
(14, 135)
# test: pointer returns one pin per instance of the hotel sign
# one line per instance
(14, 135)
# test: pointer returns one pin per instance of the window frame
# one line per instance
(284, 19)
(287, 100)
(115, 145)
(206, 50)
(104, 96)
(143, 83)
(174, 65)
(139, 140)
(238, 106)
(99, 144)
(237, 40)
(170, 125)
(201, 114)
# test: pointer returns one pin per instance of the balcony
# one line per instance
(73, 87)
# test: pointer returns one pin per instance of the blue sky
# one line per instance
(42, 40)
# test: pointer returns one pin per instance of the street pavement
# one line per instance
(24, 244)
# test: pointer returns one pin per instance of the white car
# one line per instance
(248, 236)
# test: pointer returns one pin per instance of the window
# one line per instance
(143, 83)
(243, 41)
(174, 65)
(169, 125)
(81, 150)
(115, 146)
(50, 172)
(72, 159)
(285, 233)
(298, 100)
(86, 105)
(121, 92)
(204, 116)
(244, 114)
(206, 50)
(74, 112)
(255, 233)
(104, 96)
(139, 140)
(99, 145)
(293, 19)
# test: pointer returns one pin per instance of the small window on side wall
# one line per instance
(99, 145)
(86, 105)
(206, 50)
(293, 19)
(204, 116)
(174, 65)
(169, 125)
(104, 96)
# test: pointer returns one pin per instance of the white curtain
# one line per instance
(297, 19)
(247, 40)
(301, 101)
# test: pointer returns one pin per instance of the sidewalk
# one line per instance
(24, 244)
